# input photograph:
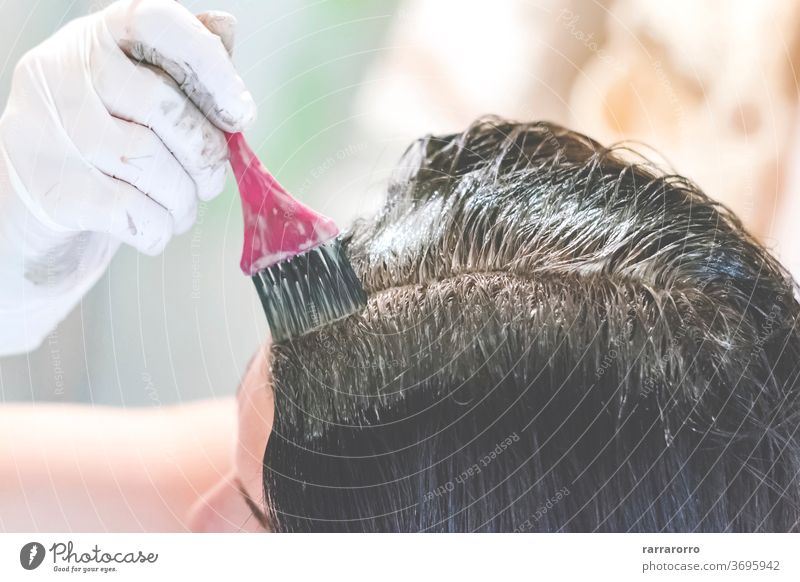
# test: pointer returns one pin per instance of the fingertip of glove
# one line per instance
(239, 114)
(222, 24)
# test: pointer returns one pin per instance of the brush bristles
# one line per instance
(308, 291)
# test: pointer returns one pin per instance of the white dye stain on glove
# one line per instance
(112, 133)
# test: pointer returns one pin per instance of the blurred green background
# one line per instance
(183, 325)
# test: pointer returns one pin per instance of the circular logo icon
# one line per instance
(31, 555)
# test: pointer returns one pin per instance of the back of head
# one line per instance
(559, 337)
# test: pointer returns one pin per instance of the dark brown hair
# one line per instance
(559, 337)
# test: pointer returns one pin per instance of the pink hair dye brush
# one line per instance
(294, 255)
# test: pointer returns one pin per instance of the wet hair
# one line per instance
(559, 337)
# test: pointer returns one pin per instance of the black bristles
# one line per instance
(309, 290)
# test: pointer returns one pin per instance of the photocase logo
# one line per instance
(68, 558)
(31, 555)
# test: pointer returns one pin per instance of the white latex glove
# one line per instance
(112, 132)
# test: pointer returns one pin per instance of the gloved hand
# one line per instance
(111, 133)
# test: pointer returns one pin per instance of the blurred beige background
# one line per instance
(344, 86)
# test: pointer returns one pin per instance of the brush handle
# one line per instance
(276, 226)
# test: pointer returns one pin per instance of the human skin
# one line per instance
(82, 468)
(235, 501)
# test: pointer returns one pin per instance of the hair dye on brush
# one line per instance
(292, 254)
